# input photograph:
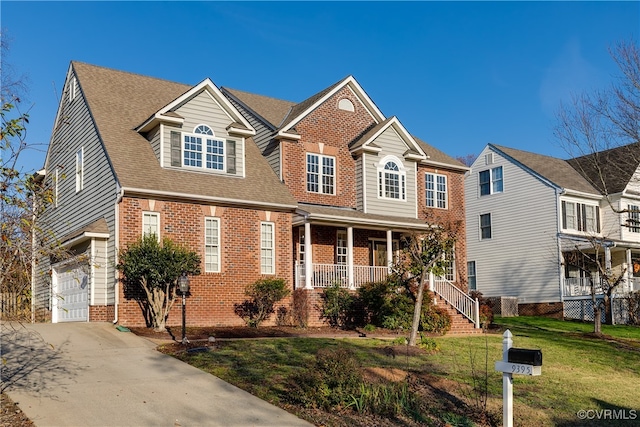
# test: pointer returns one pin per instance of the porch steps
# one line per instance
(460, 325)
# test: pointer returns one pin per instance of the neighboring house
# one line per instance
(527, 212)
(315, 193)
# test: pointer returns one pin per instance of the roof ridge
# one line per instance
(131, 73)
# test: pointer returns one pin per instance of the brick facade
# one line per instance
(454, 214)
(327, 130)
(212, 295)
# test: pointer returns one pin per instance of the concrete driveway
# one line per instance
(91, 374)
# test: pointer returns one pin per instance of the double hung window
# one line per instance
(211, 245)
(485, 226)
(580, 217)
(267, 248)
(633, 218)
(151, 224)
(491, 181)
(436, 190)
(391, 179)
(471, 275)
(80, 169)
(320, 174)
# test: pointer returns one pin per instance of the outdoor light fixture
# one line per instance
(183, 283)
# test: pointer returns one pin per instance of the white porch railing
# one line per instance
(467, 306)
(581, 286)
(325, 275)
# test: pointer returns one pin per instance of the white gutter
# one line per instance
(140, 191)
(360, 221)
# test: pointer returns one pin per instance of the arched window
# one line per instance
(391, 179)
(203, 139)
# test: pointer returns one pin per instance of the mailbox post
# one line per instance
(520, 361)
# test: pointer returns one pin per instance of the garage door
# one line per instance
(70, 295)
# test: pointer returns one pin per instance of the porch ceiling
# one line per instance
(350, 217)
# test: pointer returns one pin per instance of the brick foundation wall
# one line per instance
(102, 313)
(212, 295)
(546, 309)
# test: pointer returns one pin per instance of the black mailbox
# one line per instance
(525, 356)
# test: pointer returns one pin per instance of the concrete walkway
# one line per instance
(91, 374)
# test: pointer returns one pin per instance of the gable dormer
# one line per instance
(200, 131)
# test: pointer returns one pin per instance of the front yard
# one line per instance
(580, 372)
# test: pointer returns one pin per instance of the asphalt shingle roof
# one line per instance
(558, 171)
(120, 101)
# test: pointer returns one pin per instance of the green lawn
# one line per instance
(580, 372)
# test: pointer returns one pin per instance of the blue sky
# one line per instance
(456, 74)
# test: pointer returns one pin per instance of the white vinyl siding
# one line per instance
(211, 245)
(151, 224)
(521, 258)
(267, 248)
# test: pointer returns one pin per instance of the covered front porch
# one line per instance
(346, 247)
(581, 277)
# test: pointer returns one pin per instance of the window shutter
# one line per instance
(597, 219)
(175, 149)
(564, 215)
(231, 157)
(579, 214)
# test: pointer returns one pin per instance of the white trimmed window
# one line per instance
(580, 217)
(301, 256)
(471, 275)
(80, 169)
(341, 247)
(151, 224)
(485, 226)
(267, 248)
(450, 268)
(391, 179)
(633, 218)
(211, 245)
(72, 89)
(436, 190)
(202, 149)
(320, 174)
(491, 181)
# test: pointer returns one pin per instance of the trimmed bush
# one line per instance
(264, 294)
(337, 306)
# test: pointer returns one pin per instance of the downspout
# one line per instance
(561, 266)
(120, 192)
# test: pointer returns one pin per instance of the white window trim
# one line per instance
(72, 88)
(272, 266)
(480, 226)
(215, 247)
(436, 191)
(402, 179)
(341, 235)
(579, 222)
(151, 214)
(80, 169)
(491, 181)
(475, 275)
(203, 149)
(320, 174)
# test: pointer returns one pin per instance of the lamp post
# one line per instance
(183, 283)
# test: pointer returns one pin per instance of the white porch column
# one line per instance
(629, 270)
(389, 248)
(308, 256)
(350, 257)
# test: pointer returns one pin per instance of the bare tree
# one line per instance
(600, 131)
(426, 253)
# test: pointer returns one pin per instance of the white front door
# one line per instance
(70, 295)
